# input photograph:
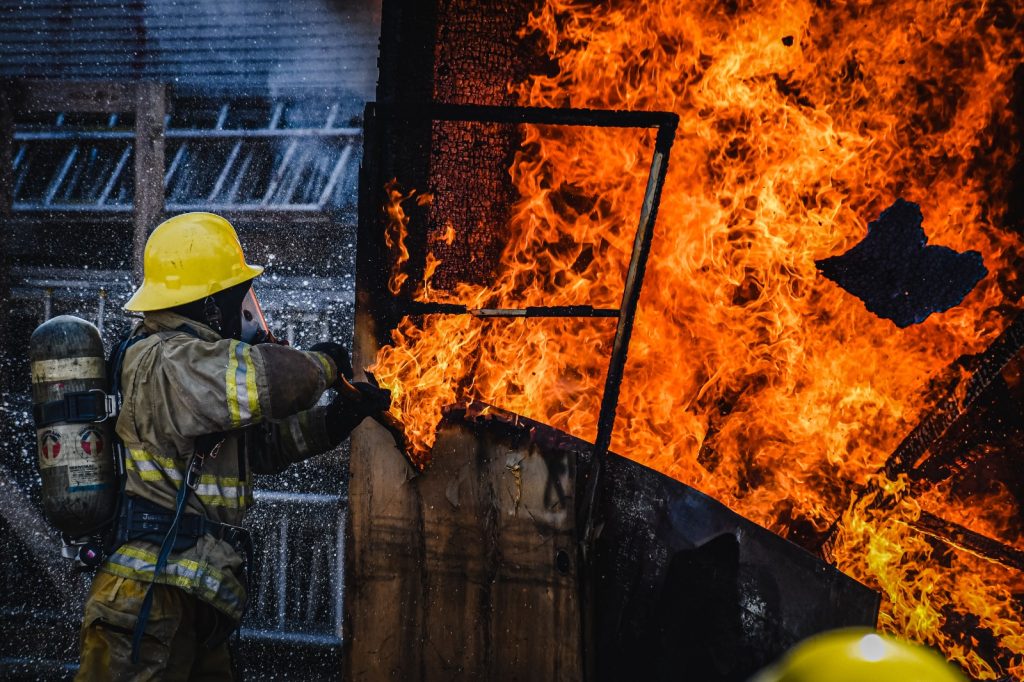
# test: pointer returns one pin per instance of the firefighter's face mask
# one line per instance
(254, 328)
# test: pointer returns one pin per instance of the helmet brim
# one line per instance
(159, 296)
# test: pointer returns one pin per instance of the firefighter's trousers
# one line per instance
(175, 645)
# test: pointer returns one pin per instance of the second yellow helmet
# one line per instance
(859, 655)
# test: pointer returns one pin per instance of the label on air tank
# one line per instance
(80, 451)
(68, 369)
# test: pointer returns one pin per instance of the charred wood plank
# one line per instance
(958, 536)
(995, 429)
(958, 403)
(953, 407)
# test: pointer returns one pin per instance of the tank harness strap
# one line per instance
(114, 401)
(77, 407)
(144, 520)
(117, 363)
(82, 407)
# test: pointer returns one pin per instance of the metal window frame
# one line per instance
(665, 123)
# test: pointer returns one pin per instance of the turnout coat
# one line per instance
(183, 382)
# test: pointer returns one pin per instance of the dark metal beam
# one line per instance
(609, 401)
(624, 331)
(538, 115)
(403, 307)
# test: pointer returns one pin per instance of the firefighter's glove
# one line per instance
(352, 405)
(339, 354)
(374, 399)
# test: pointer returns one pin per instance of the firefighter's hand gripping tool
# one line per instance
(256, 330)
(363, 393)
(383, 417)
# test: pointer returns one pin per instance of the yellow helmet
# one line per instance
(190, 257)
(859, 655)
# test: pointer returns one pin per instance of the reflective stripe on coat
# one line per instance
(184, 381)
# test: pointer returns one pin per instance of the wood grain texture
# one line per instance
(150, 105)
(77, 96)
(6, 203)
(6, 158)
(468, 571)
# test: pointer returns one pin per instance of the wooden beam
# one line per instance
(6, 151)
(968, 540)
(148, 101)
(150, 105)
(77, 96)
(6, 191)
(384, 556)
(499, 525)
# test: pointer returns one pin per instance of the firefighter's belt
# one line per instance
(76, 407)
(142, 520)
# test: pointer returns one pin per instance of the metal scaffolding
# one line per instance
(294, 159)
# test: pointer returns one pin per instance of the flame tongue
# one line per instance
(749, 376)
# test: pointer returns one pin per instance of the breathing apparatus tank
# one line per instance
(73, 432)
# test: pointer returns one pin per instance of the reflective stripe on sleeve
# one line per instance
(325, 363)
(214, 495)
(252, 393)
(240, 383)
(231, 382)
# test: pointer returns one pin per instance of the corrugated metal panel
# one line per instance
(257, 46)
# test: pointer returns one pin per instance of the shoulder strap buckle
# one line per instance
(110, 405)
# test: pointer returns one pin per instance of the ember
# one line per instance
(750, 376)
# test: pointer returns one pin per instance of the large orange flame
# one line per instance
(750, 376)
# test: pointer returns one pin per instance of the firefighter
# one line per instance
(859, 655)
(202, 412)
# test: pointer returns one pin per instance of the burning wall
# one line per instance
(750, 376)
